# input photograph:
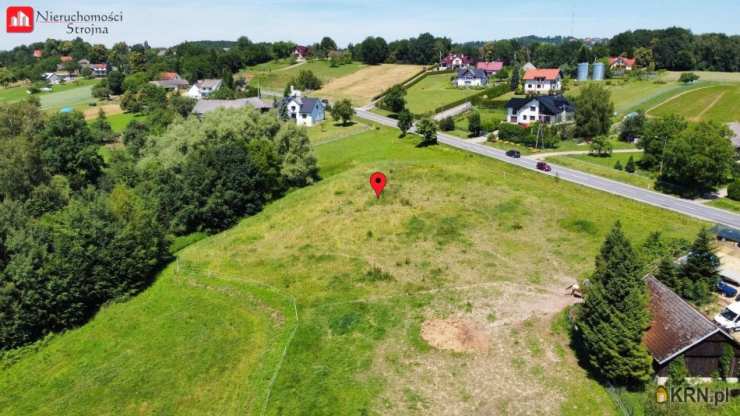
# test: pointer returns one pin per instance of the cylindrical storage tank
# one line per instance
(598, 72)
(582, 72)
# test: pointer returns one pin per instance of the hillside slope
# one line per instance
(457, 245)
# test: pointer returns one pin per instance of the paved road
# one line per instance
(672, 203)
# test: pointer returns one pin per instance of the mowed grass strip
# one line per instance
(360, 87)
(364, 273)
(604, 166)
(278, 79)
(433, 92)
(720, 103)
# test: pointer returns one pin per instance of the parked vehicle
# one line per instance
(729, 318)
(514, 153)
(543, 166)
(727, 290)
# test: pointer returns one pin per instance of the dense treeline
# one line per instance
(76, 232)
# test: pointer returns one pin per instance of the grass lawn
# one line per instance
(9, 95)
(276, 80)
(488, 116)
(270, 66)
(720, 103)
(330, 131)
(118, 122)
(706, 76)
(563, 146)
(435, 91)
(78, 98)
(453, 236)
(604, 166)
(725, 203)
(360, 87)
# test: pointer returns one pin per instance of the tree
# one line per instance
(306, 80)
(134, 137)
(668, 274)
(700, 272)
(447, 124)
(182, 105)
(698, 160)
(656, 135)
(601, 146)
(69, 148)
(474, 123)
(299, 166)
(227, 78)
(725, 361)
(618, 165)
(373, 50)
(677, 372)
(614, 315)
(405, 121)
(632, 126)
(327, 45)
(428, 131)
(595, 110)
(644, 58)
(101, 129)
(733, 190)
(115, 82)
(688, 77)
(343, 110)
(630, 166)
(395, 99)
(515, 77)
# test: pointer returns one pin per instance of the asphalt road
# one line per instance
(690, 208)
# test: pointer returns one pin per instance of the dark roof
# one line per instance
(477, 73)
(307, 104)
(549, 104)
(726, 233)
(676, 325)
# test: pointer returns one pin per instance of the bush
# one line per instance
(618, 166)
(630, 166)
(447, 124)
(733, 190)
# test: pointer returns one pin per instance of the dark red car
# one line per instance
(543, 167)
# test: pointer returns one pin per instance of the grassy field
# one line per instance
(70, 91)
(604, 166)
(433, 92)
(706, 76)
(563, 146)
(331, 130)
(119, 121)
(360, 87)
(454, 238)
(78, 98)
(720, 103)
(725, 203)
(276, 80)
(488, 116)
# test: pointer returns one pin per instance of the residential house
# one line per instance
(206, 106)
(547, 109)
(305, 111)
(678, 329)
(454, 61)
(171, 84)
(300, 52)
(38, 53)
(167, 76)
(542, 81)
(491, 68)
(203, 88)
(99, 70)
(58, 77)
(83, 63)
(471, 77)
(621, 63)
(66, 58)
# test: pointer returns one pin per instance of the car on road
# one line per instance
(729, 318)
(514, 153)
(543, 166)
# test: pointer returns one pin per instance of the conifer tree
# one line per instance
(700, 273)
(614, 315)
(630, 166)
(668, 274)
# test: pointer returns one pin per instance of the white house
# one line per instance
(454, 61)
(542, 81)
(471, 77)
(304, 110)
(203, 88)
(546, 109)
(58, 77)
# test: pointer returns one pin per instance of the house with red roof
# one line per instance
(300, 52)
(168, 76)
(454, 61)
(542, 81)
(38, 53)
(490, 68)
(66, 58)
(621, 63)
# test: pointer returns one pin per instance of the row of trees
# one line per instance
(77, 232)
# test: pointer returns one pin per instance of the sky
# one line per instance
(306, 21)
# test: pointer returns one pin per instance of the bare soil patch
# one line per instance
(361, 86)
(459, 335)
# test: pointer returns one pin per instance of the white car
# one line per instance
(729, 318)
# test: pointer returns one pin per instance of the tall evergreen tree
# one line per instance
(668, 274)
(700, 273)
(614, 315)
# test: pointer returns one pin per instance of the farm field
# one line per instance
(706, 76)
(432, 309)
(360, 87)
(604, 166)
(720, 103)
(277, 80)
(434, 91)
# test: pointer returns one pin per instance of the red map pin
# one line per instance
(378, 181)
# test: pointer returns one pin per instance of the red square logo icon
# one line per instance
(19, 19)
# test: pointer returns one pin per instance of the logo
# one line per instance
(19, 19)
(661, 394)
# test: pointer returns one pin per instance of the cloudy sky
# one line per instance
(306, 21)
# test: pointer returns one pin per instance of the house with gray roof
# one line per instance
(306, 111)
(471, 77)
(203, 88)
(547, 109)
(206, 106)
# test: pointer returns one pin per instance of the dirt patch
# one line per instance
(363, 85)
(459, 335)
(109, 109)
